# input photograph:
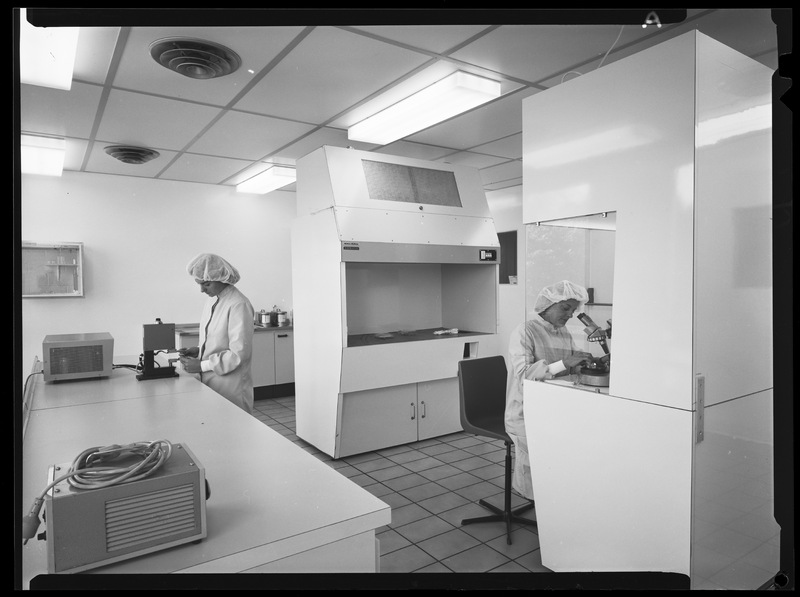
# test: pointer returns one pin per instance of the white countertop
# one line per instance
(269, 498)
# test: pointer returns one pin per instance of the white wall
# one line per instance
(138, 236)
(506, 208)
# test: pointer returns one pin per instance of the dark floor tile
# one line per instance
(471, 463)
(395, 500)
(407, 514)
(523, 541)
(406, 559)
(480, 558)
(422, 463)
(425, 528)
(448, 544)
(440, 472)
(391, 541)
(424, 491)
(460, 481)
(390, 472)
(405, 482)
(443, 502)
(408, 457)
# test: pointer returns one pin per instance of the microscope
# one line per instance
(157, 337)
(596, 373)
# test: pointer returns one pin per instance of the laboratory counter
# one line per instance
(272, 507)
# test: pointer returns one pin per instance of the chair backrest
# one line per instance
(482, 395)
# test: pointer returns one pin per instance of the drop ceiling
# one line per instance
(301, 85)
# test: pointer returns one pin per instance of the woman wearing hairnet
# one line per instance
(540, 348)
(222, 361)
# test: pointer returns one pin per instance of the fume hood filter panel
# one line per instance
(370, 225)
(335, 176)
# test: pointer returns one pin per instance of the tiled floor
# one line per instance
(431, 486)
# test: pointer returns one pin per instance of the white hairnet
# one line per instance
(212, 268)
(560, 291)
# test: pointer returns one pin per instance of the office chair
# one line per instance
(482, 396)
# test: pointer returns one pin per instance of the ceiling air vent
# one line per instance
(195, 58)
(131, 155)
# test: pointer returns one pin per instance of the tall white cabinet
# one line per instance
(669, 469)
(394, 280)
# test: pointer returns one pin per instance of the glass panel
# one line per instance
(580, 250)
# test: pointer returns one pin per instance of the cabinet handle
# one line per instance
(423, 409)
(413, 411)
(283, 335)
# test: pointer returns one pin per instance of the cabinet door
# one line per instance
(263, 364)
(284, 357)
(438, 408)
(184, 340)
(377, 418)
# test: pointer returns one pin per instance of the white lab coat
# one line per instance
(226, 346)
(535, 350)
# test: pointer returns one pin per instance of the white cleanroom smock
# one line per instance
(226, 346)
(535, 351)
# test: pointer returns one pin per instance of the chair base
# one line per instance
(501, 516)
(506, 515)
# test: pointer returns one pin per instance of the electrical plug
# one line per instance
(30, 523)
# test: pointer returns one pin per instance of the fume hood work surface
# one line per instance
(395, 279)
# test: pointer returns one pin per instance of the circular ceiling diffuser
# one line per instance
(195, 58)
(131, 155)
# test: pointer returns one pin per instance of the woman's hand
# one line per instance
(576, 359)
(194, 351)
(190, 364)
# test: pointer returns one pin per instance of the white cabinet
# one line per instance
(273, 362)
(284, 356)
(263, 364)
(375, 418)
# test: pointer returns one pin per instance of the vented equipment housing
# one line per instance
(77, 356)
(88, 528)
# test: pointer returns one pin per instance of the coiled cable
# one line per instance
(88, 471)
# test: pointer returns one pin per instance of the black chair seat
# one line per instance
(482, 397)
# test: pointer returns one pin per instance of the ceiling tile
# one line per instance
(248, 136)
(437, 39)
(535, 52)
(160, 123)
(473, 160)
(58, 112)
(201, 168)
(507, 147)
(255, 46)
(327, 73)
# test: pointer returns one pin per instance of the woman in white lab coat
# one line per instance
(222, 361)
(540, 348)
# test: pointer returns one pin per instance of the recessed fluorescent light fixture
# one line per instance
(42, 155)
(444, 99)
(46, 54)
(273, 179)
